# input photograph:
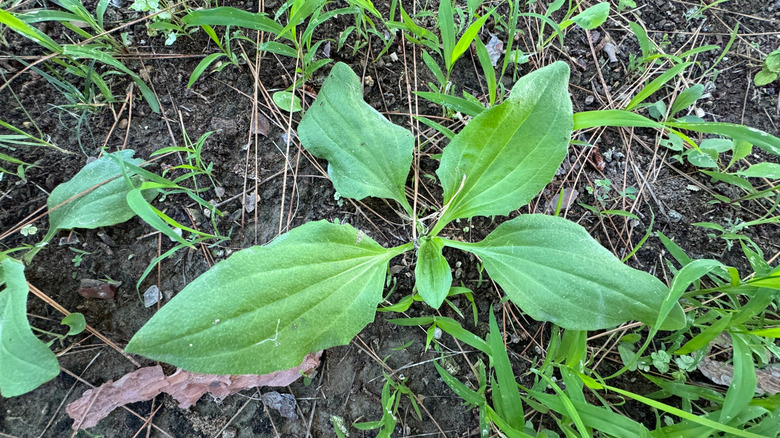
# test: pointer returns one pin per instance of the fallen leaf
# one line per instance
(569, 196)
(261, 125)
(721, 373)
(185, 387)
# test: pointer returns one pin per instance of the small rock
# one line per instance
(284, 403)
(610, 50)
(71, 239)
(151, 296)
(90, 288)
(249, 203)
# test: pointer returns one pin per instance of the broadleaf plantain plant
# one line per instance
(317, 286)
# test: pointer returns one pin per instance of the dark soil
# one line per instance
(349, 381)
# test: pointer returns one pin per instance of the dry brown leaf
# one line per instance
(721, 373)
(184, 386)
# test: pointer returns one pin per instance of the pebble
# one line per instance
(90, 288)
(151, 296)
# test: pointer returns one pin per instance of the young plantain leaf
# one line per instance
(25, 361)
(432, 273)
(554, 271)
(264, 308)
(102, 203)
(508, 153)
(367, 154)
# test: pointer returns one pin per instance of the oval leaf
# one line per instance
(554, 271)
(592, 17)
(432, 273)
(287, 101)
(367, 154)
(264, 308)
(508, 153)
(25, 361)
(99, 206)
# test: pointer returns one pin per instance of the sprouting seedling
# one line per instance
(770, 69)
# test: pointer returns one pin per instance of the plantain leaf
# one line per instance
(25, 361)
(592, 17)
(432, 273)
(367, 154)
(508, 153)
(102, 204)
(554, 271)
(312, 288)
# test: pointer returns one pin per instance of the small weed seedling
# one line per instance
(770, 70)
(318, 285)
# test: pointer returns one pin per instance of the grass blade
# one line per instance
(656, 84)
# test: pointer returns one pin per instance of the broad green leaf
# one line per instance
(507, 154)
(686, 98)
(227, 16)
(432, 273)
(554, 271)
(94, 198)
(25, 361)
(762, 170)
(266, 307)
(367, 154)
(592, 17)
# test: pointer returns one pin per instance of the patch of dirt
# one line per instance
(292, 189)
